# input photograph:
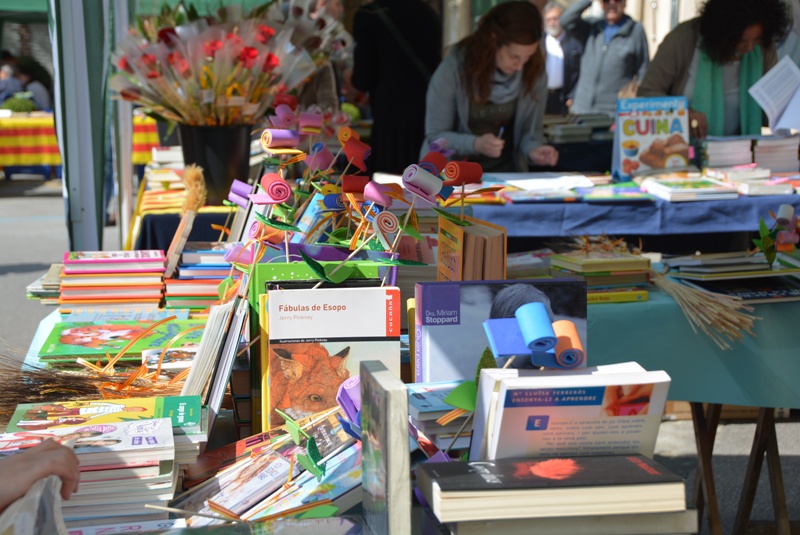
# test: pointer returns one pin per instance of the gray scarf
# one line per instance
(505, 87)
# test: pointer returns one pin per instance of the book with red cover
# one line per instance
(550, 487)
(143, 261)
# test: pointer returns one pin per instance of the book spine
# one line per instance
(617, 297)
(418, 343)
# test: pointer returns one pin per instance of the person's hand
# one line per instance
(544, 155)
(698, 126)
(19, 472)
(489, 145)
(568, 103)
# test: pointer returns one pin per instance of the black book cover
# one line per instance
(525, 474)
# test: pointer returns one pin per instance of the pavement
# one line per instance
(34, 235)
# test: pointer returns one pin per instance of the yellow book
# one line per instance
(617, 295)
(262, 408)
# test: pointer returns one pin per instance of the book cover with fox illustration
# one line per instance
(69, 340)
(318, 338)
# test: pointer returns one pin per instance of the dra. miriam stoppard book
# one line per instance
(185, 412)
(69, 340)
(449, 337)
(651, 133)
(318, 338)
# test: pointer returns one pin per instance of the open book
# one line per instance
(778, 94)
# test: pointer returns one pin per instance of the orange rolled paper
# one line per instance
(461, 173)
(356, 152)
(345, 133)
(354, 183)
(569, 349)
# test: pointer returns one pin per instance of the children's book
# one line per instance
(599, 261)
(111, 279)
(111, 261)
(622, 192)
(448, 331)
(185, 412)
(173, 254)
(617, 295)
(753, 291)
(476, 251)
(318, 338)
(651, 133)
(550, 487)
(204, 252)
(69, 340)
(426, 400)
(341, 484)
(130, 527)
(385, 459)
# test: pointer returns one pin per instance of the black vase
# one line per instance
(222, 151)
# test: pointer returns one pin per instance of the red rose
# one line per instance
(210, 48)
(130, 94)
(153, 74)
(149, 60)
(179, 64)
(271, 62)
(167, 36)
(248, 57)
(234, 38)
(264, 33)
(124, 65)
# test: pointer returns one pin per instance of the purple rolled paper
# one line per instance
(377, 193)
(242, 189)
(275, 121)
(349, 397)
(321, 157)
(417, 179)
(238, 199)
(310, 120)
(286, 115)
(438, 144)
(274, 138)
(238, 253)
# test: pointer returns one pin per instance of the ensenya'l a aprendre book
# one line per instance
(114, 261)
(651, 133)
(318, 338)
(574, 412)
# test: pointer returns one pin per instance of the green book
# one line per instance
(89, 339)
(185, 412)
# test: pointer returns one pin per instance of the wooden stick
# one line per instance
(191, 513)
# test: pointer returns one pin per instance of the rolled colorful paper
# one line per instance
(346, 133)
(238, 253)
(545, 359)
(377, 193)
(356, 151)
(241, 188)
(310, 120)
(327, 189)
(255, 230)
(461, 173)
(276, 187)
(285, 98)
(273, 138)
(785, 214)
(421, 182)
(349, 398)
(438, 144)
(333, 201)
(433, 162)
(274, 121)
(385, 226)
(341, 118)
(569, 349)
(536, 327)
(370, 210)
(788, 236)
(238, 199)
(321, 157)
(354, 183)
(286, 115)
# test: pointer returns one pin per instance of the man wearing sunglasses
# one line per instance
(615, 52)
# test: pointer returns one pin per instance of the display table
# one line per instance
(760, 371)
(31, 140)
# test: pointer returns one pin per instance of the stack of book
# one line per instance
(473, 251)
(426, 405)
(112, 279)
(201, 268)
(726, 266)
(751, 179)
(124, 465)
(528, 264)
(611, 277)
(726, 151)
(47, 288)
(780, 154)
(682, 187)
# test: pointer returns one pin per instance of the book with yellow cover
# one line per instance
(476, 251)
(617, 295)
(595, 261)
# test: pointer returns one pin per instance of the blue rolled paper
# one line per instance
(537, 329)
(333, 201)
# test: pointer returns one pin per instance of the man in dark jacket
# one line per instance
(615, 50)
(563, 61)
(398, 46)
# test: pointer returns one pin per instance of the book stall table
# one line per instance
(759, 371)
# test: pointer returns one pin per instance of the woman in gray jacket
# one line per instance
(486, 99)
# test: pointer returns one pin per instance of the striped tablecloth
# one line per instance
(27, 141)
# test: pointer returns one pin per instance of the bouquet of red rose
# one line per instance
(222, 70)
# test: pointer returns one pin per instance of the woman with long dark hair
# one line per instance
(715, 58)
(488, 96)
